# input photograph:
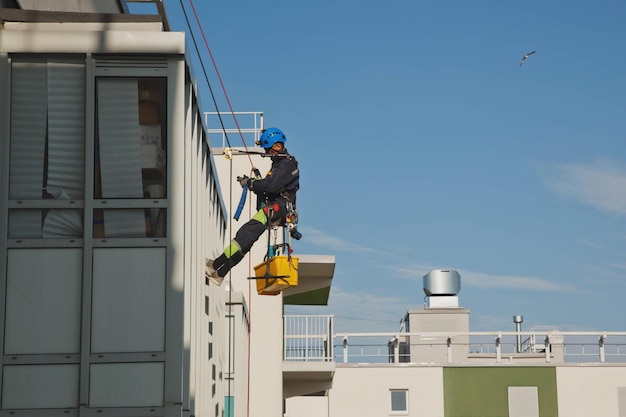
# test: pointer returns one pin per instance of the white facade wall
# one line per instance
(265, 311)
(307, 407)
(585, 391)
(205, 360)
(364, 390)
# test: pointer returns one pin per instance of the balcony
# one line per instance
(308, 365)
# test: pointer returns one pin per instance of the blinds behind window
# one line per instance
(120, 153)
(28, 129)
(118, 132)
(66, 127)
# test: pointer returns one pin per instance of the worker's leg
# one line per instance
(241, 244)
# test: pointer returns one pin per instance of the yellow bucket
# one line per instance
(282, 274)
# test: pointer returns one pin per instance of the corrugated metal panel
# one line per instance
(28, 129)
(66, 127)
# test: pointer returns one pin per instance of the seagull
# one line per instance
(526, 56)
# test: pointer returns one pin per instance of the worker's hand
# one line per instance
(244, 181)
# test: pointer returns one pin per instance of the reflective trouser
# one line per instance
(245, 238)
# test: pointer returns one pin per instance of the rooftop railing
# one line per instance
(311, 338)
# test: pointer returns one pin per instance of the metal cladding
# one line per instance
(442, 282)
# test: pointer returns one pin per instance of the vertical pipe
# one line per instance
(396, 350)
(518, 328)
(498, 349)
(601, 342)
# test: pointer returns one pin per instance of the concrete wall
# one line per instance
(307, 407)
(265, 311)
(591, 391)
(365, 391)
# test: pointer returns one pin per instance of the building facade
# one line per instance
(435, 366)
(110, 203)
(112, 195)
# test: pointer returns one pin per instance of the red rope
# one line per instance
(220, 79)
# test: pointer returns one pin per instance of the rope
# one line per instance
(219, 77)
(231, 318)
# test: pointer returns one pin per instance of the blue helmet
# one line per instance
(270, 136)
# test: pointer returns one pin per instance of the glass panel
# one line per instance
(66, 130)
(128, 300)
(47, 128)
(43, 301)
(126, 385)
(47, 223)
(110, 223)
(130, 138)
(398, 400)
(40, 386)
(29, 113)
(25, 224)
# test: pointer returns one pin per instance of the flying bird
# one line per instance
(526, 56)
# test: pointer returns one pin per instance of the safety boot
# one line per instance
(211, 273)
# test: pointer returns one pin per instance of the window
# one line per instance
(46, 164)
(130, 154)
(399, 401)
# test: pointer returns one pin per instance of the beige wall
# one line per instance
(369, 396)
(590, 391)
(307, 407)
(265, 312)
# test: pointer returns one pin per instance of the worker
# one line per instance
(277, 197)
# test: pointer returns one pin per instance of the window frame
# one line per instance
(393, 391)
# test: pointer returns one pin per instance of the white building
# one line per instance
(435, 366)
(111, 198)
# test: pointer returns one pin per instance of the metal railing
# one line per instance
(311, 338)
(252, 122)
(308, 338)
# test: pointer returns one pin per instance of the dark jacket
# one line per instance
(281, 182)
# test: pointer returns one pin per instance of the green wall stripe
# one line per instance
(483, 391)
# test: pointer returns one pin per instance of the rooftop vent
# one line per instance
(442, 282)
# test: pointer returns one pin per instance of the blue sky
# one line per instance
(423, 144)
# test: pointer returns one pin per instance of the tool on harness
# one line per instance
(292, 222)
(270, 209)
(244, 193)
(292, 215)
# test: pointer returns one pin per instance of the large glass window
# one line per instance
(130, 154)
(47, 150)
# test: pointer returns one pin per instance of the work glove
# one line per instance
(245, 181)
